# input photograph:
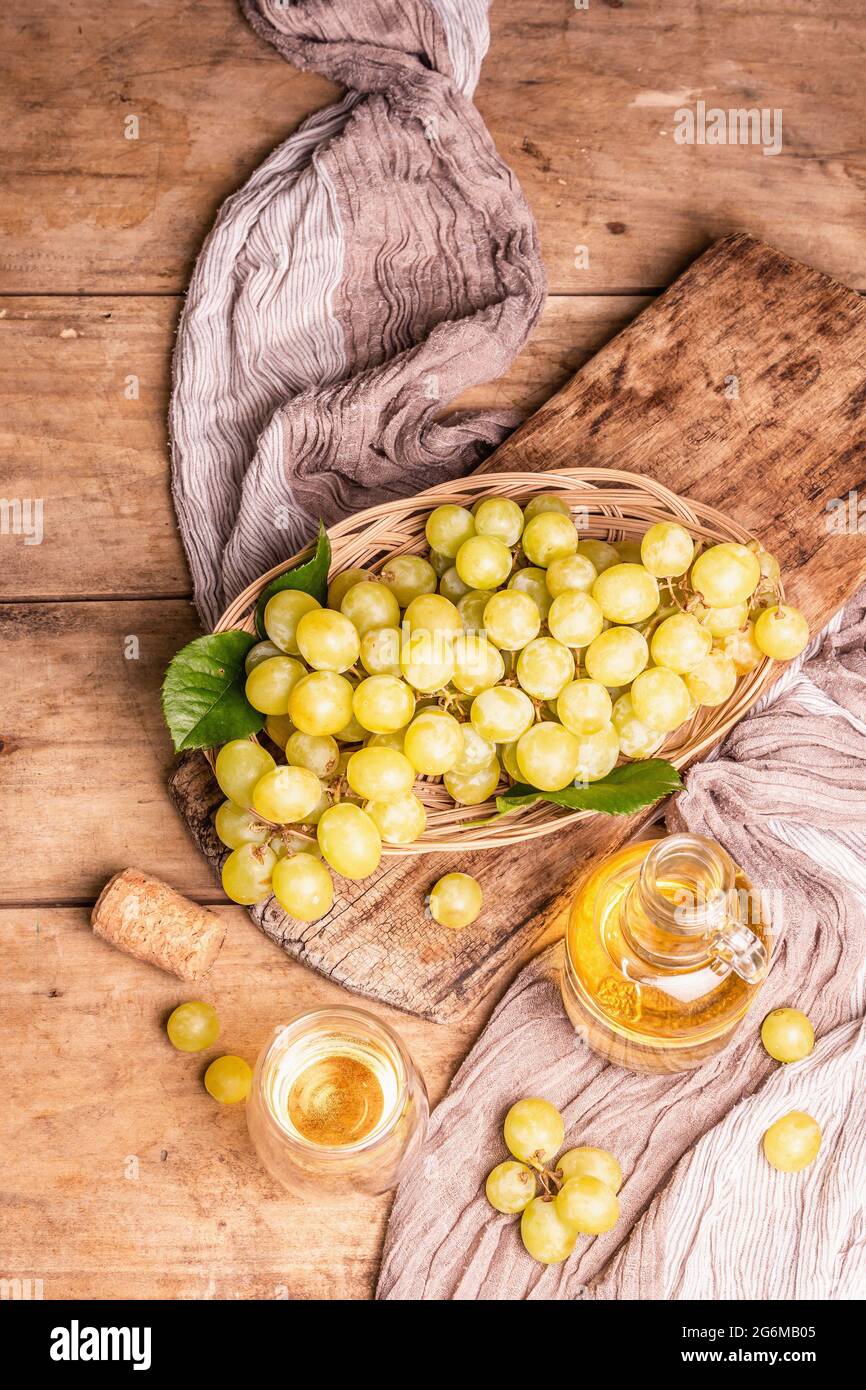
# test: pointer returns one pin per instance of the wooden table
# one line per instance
(119, 1177)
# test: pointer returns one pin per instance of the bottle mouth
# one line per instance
(685, 885)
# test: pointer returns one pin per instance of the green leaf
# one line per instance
(203, 696)
(626, 789)
(311, 576)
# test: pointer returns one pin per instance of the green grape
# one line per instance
(667, 549)
(543, 1233)
(510, 1187)
(584, 706)
(318, 752)
(792, 1143)
(549, 536)
(721, 622)
(771, 571)
(351, 732)
(471, 609)
(426, 660)
(328, 641)
(575, 619)
(660, 698)
(400, 820)
(499, 517)
(471, 788)
(246, 874)
(477, 752)
(712, 681)
(433, 613)
(319, 809)
(383, 704)
(725, 574)
(193, 1027)
(511, 619)
(342, 583)
(544, 502)
(369, 605)
(781, 632)
(587, 1162)
(303, 887)
(573, 574)
(787, 1035)
(286, 794)
(379, 773)
(455, 900)
(630, 553)
(282, 614)
(596, 754)
(502, 713)
(636, 740)
(409, 576)
(236, 826)
(349, 840)
(239, 765)
(451, 586)
(602, 554)
(228, 1080)
(380, 651)
(440, 563)
(279, 729)
(534, 1131)
(742, 648)
(483, 562)
(680, 642)
(477, 664)
(287, 842)
(508, 753)
(269, 685)
(545, 667)
(262, 651)
(447, 528)
(616, 656)
(321, 703)
(433, 743)
(626, 593)
(586, 1205)
(532, 581)
(547, 756)
(394, 740)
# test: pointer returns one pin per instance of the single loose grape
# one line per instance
(433, 613)
(349, 840)
(303, 887)
(262, 651)
(575, 619)
(282, 614)
(510, 1187)
(409, 576)
(532, 581)
(626, 593)
(721, 622)
(792, 1143)
(321, 703)
(712, 681)
(369, 605)
(379, 773)
(573, 574)
(548, 537)
(742, 648)
(448, 527)
(426, 661)
(471, 609)
(455, 900)
(584, 706)
(545, 667)
(511, 619)
(725, 574)
(286, 794)
(236, 826)
(587, 1205)
(383, 704)
(483, 562)
(342, 583)
(787, 1035)
(636, 739)
(433, 743)
(502, 713)
(328, 641)
(596, 754)
(279, 729)
(545, 502)
(239, 765)
(228, 1080)
(451, 586)
(601, 553)
(269, 685)
(193, 1027)
(478, 752)
(547, 756)
(544, 1234)
(499, 517)
(667, 549)
(473, 788)
(380, 651)
(477, 665)
(400, 820)
(781, 632)
(534, 1131)
(680, 642)
(587, 1162)
(660, 698)
(246, 874)
(616, 656)
(318, 752)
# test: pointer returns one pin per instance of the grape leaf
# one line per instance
(203, 698)
(311, 577)
(626, 789)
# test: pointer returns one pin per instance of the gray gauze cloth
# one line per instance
(380, 262)
(703, 1215)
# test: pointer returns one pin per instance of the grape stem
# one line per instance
(550, 1178)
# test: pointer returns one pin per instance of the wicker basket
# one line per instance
(612, 505)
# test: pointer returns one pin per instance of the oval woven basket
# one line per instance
(606, 503)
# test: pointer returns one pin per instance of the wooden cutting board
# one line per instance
(744, 387)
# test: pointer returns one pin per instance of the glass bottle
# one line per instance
(665, 950)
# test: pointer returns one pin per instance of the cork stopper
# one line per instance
(150, 921)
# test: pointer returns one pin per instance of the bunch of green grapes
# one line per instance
(579, 1189)
(516, 650)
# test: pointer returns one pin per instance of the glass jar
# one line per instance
(665, 950)
(336, 1104)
